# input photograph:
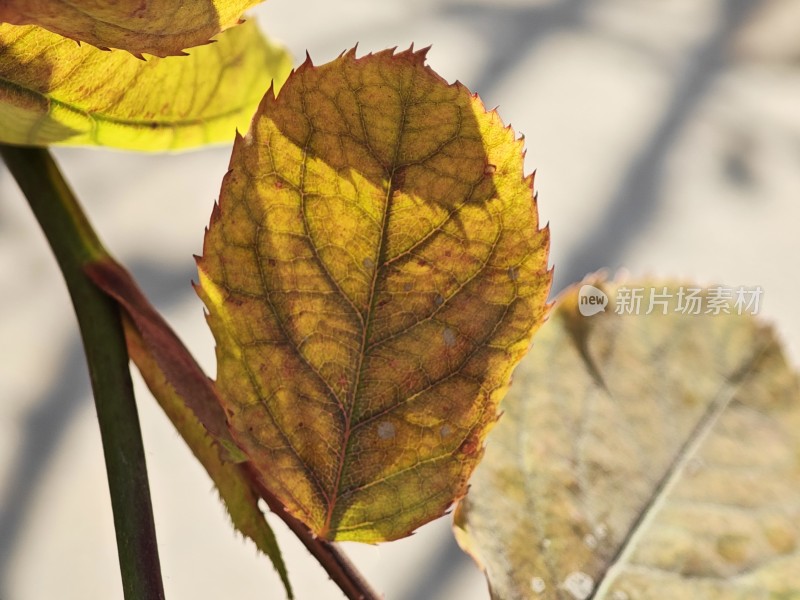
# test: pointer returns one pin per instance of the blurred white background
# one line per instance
(666, 139)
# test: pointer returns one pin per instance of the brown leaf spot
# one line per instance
(470, 447)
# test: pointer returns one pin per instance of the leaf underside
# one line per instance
(642, 457)
(373, 272)
(54, 91)
(157, 27)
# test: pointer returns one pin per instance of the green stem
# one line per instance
(75, 245)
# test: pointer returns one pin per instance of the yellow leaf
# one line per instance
(642, 457)
(54, 91)
(373, 272)
(157, 27)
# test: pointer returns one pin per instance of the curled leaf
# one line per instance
(642, 457)
(54, 91)
(157, 27)
(188, 399)
(373, 272)
(231, 480)
(163, 347)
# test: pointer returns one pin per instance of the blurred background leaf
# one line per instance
(642, 456)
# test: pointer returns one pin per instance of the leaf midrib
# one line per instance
(366, 326)
(672, 475)
(143, 124)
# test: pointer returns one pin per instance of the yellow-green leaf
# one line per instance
(642, 457)
(157, 27)
(373, 272)
(54, 91)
